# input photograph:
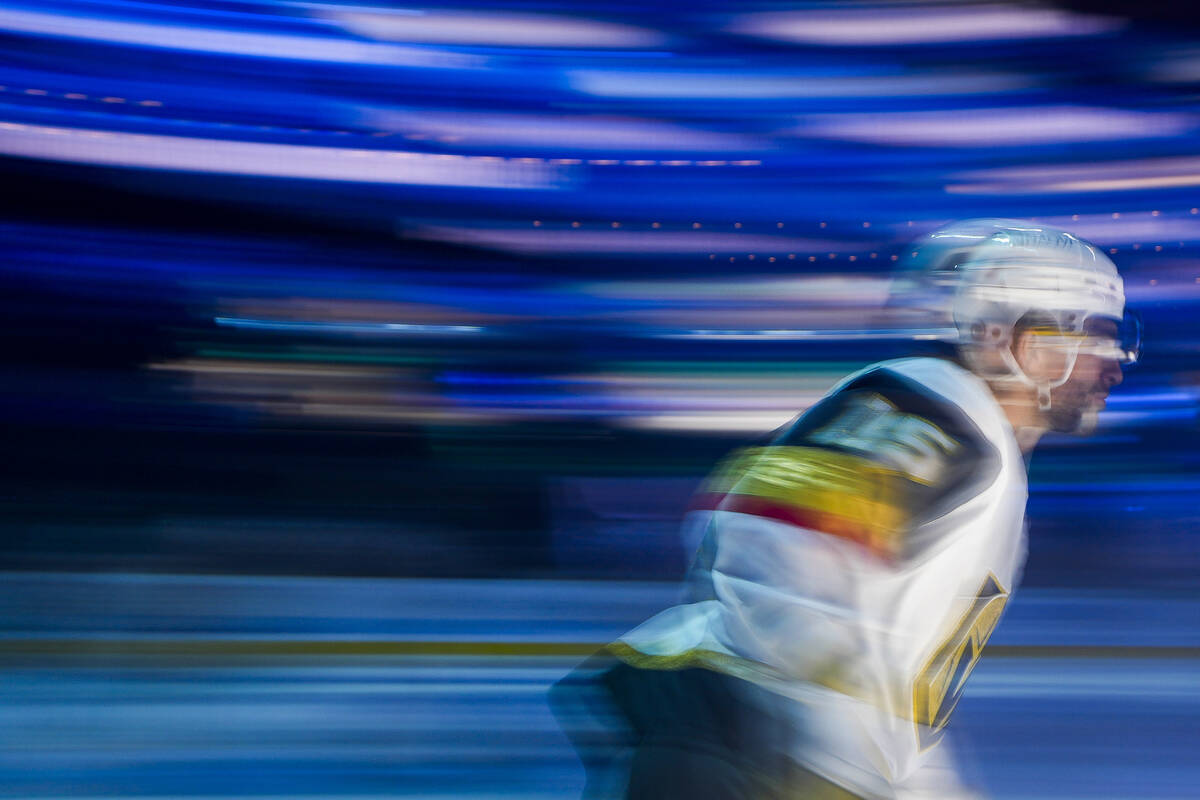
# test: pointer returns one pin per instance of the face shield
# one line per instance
(1116, 340)
(1102, 337)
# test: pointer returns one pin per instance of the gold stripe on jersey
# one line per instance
(836, 493)
(726, 663)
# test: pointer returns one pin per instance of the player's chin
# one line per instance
(1089, 418)
(1080, 421)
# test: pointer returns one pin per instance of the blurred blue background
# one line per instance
(359, 362)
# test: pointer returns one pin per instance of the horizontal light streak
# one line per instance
(821, 335)
(356, 645)
(901, 24)
(655, 84)
(1097, 185)
(749, 382)
(543, 240)
(1150, 400)
(266, 368)
(496, 647)
(231, 42)
(1132, 174)
(994, 127)
(806, 290)
(718, 400)
(558, 131)
(181, 606)
(1181, 66)
(1129, 229)
(484, 27)
(1125, 419)
(154, 151)
(733, 422)
(302, 326)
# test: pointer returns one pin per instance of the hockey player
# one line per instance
(852, 571)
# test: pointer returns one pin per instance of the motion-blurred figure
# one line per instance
(852, 571)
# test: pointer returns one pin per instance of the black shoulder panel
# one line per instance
(897, 423)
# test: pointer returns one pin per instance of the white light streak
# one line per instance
(992, 127)
(545, 241)
(558, 131)
(231, 42)
(1150, 173)
(808, 290)
(304, 326)
(808, 335)
(921, 24)
(497, 29)
(740, 421)
(1178, 67)
(121, 149)
(1129, 229)
(1096, 185)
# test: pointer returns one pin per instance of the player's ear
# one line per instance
(1025, 349)
(1031, 347)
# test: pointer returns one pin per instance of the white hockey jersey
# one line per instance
(856, 567)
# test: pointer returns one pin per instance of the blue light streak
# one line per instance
(348, 328)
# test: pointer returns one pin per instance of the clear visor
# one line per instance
(1125, 347)
(1119, 341)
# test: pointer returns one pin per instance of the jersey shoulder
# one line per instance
(893, 419)
(871, 462)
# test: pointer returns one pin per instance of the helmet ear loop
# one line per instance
(1043, 387)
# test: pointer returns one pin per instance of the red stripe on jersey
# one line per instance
(800, 516)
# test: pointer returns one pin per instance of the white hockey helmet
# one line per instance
(924, 287)
(1033, 268)
(1026, 268)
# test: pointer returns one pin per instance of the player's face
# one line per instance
(1075, 405)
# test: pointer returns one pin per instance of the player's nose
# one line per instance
(1111, 373)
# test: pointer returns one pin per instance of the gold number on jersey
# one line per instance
(873, 426)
